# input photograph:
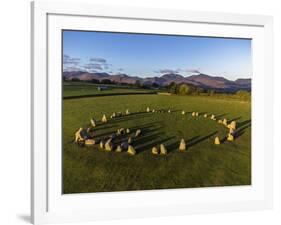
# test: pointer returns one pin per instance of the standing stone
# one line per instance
(154, 151)
(147, 109)
(93, 122)
(197, 114)
(163, 150)
(104, 119)
(220, 121)
(119, 148)
(90, 142)
(127, 112)
(108, 145)
(205, 115)
(122, 130)
(127, 130)
(138, 132)
(213, 117)
(130, 140)
(169, 111)
(230, 137)
(233, 125)
(78, 136)
(193, 113)
(224, 122)
(217, 141)
(182, 146)
(131, 150)
(183, 112)
(101, 144)
(153, 110)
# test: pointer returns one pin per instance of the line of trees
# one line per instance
(186, 89)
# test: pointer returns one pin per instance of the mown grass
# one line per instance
(72, 89)
(87, 169)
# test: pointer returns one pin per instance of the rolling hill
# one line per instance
(201, 80)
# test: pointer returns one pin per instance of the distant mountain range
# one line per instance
(200, 80)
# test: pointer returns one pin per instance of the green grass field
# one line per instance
(88, 169)
(80, 89)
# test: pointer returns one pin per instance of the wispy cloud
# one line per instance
(163, 71)
(98, 60)
(67, 60)
(192, 71)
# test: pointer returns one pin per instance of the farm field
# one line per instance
(89, 169)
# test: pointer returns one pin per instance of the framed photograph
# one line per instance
(142, 112)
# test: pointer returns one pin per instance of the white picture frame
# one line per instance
(48, 205)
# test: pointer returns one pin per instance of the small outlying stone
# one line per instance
(219, 121)
(90, 142)
(182, 146)
(217, 141)
(163, 150)
(119, 148)
(213, 117)
(93, 122)
(154, 151)
(138, 132)
(104, 119)
(131, 150)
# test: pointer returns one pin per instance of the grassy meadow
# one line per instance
(89, 169)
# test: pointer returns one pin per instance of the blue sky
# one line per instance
(153, 55)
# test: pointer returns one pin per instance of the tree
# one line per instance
(106, 81)
(184, 89)
(172, 87)
(242, 94)
(75, 79)
(155, 85)
(95, 81)
(211, 92)
(137, 83)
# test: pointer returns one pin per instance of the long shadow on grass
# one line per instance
(241, 124)
(236, 118)
(199, 139)
(129, 117)
(153, 142)
(219, 116)
(241, 130)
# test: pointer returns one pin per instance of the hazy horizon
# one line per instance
(152, 55)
